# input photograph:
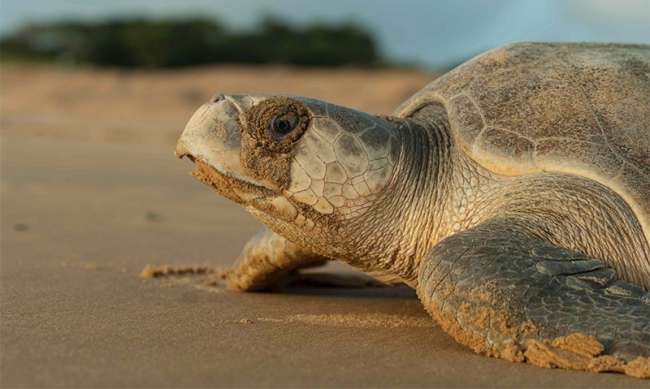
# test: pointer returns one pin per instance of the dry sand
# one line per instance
(91, 194)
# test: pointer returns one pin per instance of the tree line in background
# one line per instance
(183, 42)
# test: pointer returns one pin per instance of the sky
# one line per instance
(426, 32)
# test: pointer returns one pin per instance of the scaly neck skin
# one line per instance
(432, 188)
(391, 238)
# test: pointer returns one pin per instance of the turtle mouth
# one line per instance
(238, 189)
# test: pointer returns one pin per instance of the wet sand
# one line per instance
(89, 200)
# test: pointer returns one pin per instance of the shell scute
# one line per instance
(577, 108)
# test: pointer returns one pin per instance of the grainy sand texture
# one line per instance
(92, 194)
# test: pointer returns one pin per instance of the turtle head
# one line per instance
(297, 164)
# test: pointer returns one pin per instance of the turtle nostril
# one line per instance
(217, 98)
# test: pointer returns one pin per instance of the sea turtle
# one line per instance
(513, 193)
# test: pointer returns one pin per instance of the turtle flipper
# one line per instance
(266, 259)
(502, 292)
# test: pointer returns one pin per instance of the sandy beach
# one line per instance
(91, 194)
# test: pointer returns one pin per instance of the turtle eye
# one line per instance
(277, 123)
(283, 124)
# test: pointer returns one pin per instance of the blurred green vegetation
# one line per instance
(134, 43)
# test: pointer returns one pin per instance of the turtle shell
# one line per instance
(578, 108)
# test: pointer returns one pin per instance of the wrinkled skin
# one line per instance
(548, 268)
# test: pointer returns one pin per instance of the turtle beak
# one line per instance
(213, 136)
(182, 151)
